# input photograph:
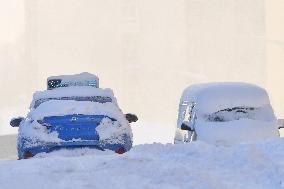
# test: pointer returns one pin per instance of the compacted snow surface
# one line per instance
(197, 165)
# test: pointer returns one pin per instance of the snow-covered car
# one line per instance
(73, 113)
(225, 113)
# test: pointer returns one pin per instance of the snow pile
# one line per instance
(112, 132)
(197, 165)
(36, 134)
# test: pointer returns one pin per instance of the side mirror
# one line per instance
(131, 118)
(280, 123)
(185, 127)
(15, 122)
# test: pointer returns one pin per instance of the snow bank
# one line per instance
(212, 97)
(196, 165)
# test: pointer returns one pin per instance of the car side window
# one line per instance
(189, 112)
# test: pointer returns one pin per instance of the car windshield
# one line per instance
(99, 99)
(231, 114)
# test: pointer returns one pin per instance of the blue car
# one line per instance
(73, 116)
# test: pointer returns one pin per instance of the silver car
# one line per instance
(226, 112)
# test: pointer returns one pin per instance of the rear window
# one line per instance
(231, 114)
(59, 83)
(99, 99)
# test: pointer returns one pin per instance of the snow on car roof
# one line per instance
(82, 79)
(75, 77)
(82, 91)
(212, 97)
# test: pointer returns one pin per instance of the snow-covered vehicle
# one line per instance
(73, 113)
(225, 113)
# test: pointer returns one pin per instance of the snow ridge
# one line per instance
(196, 165)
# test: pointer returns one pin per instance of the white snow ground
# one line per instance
(197, 165)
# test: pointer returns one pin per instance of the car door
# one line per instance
(186, 116)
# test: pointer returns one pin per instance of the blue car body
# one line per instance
(74, 131)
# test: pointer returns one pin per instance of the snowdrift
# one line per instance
(196, 165)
